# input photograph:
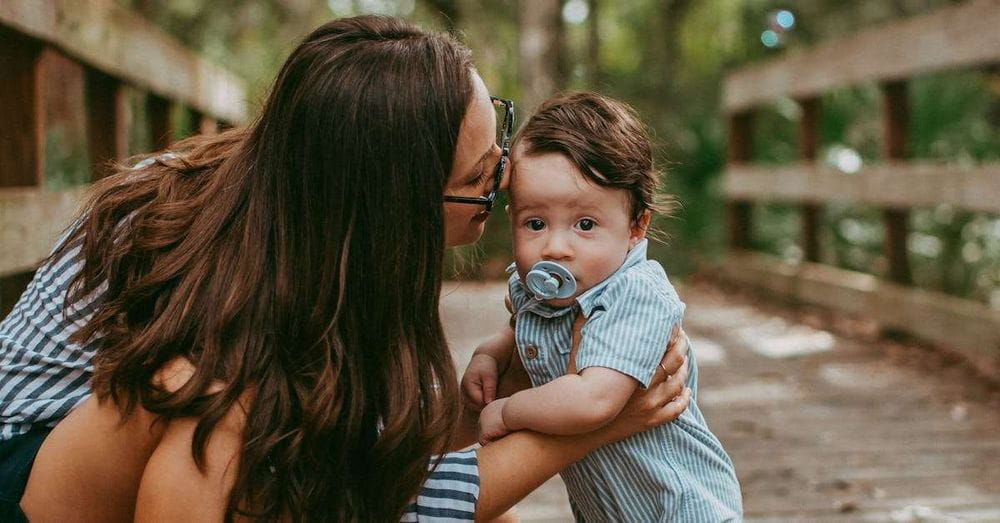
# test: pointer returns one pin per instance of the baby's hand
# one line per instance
(491, 425)
(479, 383)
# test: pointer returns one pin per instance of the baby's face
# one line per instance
(560, 216)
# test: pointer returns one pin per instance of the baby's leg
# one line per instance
(90, 465)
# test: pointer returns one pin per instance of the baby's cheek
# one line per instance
(524, 255)
(603, 264)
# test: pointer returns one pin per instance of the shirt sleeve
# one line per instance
(631, 332)
(451, 491)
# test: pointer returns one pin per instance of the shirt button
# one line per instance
(531, 352)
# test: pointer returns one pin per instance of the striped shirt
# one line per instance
(675, 472)
(43, 377)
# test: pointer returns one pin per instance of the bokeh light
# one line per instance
(770, 38)
(575, 11)
(785, 19)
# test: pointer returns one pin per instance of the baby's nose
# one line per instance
(557, 248)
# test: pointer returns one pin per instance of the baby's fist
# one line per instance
(479, 383)
(491, 425)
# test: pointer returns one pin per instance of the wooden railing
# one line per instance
(115, 48)
(958, 37)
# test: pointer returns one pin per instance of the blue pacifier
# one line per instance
(549, 280)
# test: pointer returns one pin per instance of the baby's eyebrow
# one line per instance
(525, 207)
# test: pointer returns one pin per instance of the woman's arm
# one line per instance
(513, 466)
(173, 487)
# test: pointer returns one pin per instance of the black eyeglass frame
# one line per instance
(508, 128)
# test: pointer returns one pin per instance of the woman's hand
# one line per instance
(665, 398)
(513, 466)
(662, 402)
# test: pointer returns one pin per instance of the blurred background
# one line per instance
(666, 58)
(872, 209)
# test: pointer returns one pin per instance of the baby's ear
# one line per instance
(639, 227)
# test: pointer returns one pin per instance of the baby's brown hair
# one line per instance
(604, 139)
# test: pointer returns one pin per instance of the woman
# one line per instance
(261, 309)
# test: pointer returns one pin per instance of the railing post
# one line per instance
(201, 124)
(739, 151)
(896, 116)
(160, 122)
(22, 147)
(809, 150)
(21, 116)
(107, 128)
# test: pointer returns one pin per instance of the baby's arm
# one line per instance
(490, 361)
(500, 346)
(571, 404)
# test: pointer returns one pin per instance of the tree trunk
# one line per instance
(594, 46)
(671, 14)
(540, 43)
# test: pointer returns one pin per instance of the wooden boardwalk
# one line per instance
(820, 427)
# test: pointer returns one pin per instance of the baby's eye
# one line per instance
(535, 224)
(585, 224)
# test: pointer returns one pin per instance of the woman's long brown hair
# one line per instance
(299, 259)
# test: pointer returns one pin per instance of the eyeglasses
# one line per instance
(505, 126)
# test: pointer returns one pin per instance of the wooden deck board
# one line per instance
(849, 432)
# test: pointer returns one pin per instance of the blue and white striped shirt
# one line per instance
(675, 472)
(43, 377)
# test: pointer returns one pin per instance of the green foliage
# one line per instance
(667, 58)
(66, 160)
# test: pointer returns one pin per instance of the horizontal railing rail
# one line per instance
(962, 36)
(114, 49)
(959, 37)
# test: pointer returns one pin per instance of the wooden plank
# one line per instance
(107, 129)
(893, 184)
(122, 44)
(21, 115)
(950, 38)
(31, 220)
(22, 145)
(971, 329)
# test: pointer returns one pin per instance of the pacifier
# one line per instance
(549, 280)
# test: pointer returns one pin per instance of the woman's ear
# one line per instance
(639, 227)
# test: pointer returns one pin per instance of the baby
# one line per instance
(582, 193)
